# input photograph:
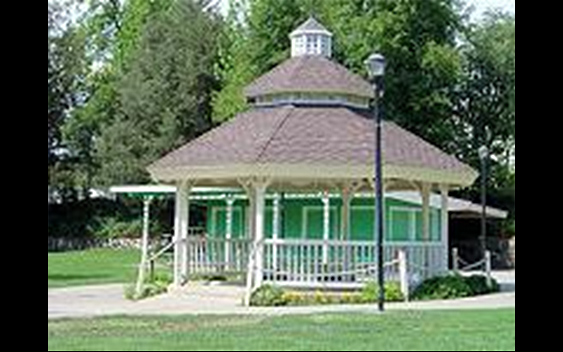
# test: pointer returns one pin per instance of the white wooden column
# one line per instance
(345, 223)
(250, 235)
(250, 214)
(445, 226)
(259, 188)
(326, 225)
(275, 230)
(145, 245)
(229, 230)
(181, 228)
(425, 193)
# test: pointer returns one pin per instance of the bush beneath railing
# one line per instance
(153, 287)
(273, 296)
(454, 286)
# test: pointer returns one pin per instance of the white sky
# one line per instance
(483, 5)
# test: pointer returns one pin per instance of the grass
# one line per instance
(437, 330)
(92, 267)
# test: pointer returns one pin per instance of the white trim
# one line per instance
(455, 204)
(216, 209)
(231, 173)
(412, 211)
(327, 102)
(305, 223)
(355, 243)
(300, 32)
(445, 226)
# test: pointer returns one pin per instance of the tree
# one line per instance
(486, 105)
(113, 30)
(416, 36)
(164, 95)
(487, 94)
(65, 71)
(255, 39)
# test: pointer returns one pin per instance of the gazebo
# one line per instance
(308, 129)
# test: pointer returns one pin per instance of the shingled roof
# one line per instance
(311, 137)
(309, 74)
(311, 25)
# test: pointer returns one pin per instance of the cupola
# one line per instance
(311, 38)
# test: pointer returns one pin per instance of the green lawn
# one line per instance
(439, 330)
(99, 266)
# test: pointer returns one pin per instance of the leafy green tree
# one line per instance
(486, 105)
(165, 94)
(487, 94)
(65, 73)
(416, 36)
(255, 40)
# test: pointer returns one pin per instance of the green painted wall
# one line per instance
(304, 219)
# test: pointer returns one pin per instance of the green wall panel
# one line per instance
(406, 218)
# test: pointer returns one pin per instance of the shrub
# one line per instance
(295, 299)
(453, 286)
(446, 287)
(154, 287)
(478, 285)
(370, 293)
(267, 296)
(83, 219)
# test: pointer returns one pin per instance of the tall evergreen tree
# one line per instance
(113, 30)
(165, 94)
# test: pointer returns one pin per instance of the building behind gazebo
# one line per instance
(309, 131)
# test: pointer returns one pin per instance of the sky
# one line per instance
(483, 5)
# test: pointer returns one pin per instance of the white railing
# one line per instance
(215, 256)
(316, 263)
(342, 263)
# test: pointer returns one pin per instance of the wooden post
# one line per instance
(445, 227)
(181, 228)
(345, 223)
(144, 247)
(326, 226)
(404, 273)
(229, 231)
(455, 260)
(425, 192)
(250, 233)
(488, 268)
(259, 212)
(275, 233)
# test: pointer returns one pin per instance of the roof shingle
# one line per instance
(309, 74)
(307, 135)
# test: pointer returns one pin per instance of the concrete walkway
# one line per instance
(227, 300)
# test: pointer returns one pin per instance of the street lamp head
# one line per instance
(483, 152)
(376, 65)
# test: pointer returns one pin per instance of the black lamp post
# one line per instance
(484, 156)
(376, 68)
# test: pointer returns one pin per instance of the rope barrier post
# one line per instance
(403, 270)
(455, 259)
(488, 268)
